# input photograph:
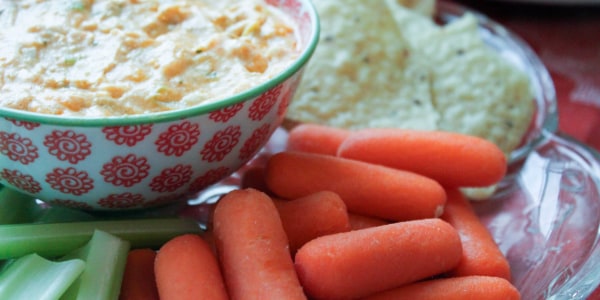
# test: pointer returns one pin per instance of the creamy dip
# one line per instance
(123, 57)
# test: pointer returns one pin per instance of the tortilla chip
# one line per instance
(363, 73)
(475, 90)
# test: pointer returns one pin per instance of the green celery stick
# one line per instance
(57, 239)
(16, 207)
(34, 277)
(105, 256)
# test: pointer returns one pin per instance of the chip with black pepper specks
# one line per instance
(363, 73)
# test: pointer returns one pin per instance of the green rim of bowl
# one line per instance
(200, 109)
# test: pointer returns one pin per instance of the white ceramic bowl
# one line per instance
(147, 160)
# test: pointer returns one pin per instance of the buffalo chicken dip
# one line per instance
(122, 57)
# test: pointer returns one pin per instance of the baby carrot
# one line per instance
(481, 255)
(139, 282)
(253, 248)
(453, 159)
(186, 268)
(362, 262)
(316, 138)
(367, 189)
(453, 288)
(312, 216)
(360, 222)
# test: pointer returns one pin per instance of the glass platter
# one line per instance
(545, 214)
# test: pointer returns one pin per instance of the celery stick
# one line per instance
(16, 207)
(34, 277)
(105, 256)
(57, 239)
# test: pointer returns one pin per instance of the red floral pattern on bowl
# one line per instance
(143, 163)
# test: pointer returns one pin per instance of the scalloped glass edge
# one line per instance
(587, 279)
(547, 224)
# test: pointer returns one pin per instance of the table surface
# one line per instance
(567, 40)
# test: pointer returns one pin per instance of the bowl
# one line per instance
(145, 160)
(545, 214)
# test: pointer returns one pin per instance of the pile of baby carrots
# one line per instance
(365, 214)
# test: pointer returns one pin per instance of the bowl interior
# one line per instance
(302, 12)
